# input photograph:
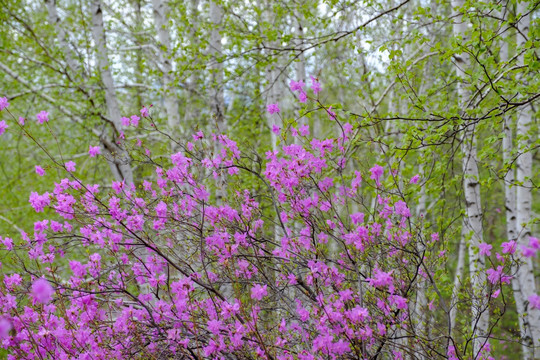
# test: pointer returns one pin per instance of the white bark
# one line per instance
(525, 273)
(473, 216)
(108, 145)
(161, 8)
(215, 50)
(190, 107)
(121, 157)
(55, 20)
(510, 206)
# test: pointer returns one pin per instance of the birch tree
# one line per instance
(216, 66)
(160, 10)
(471, 187)
(120, 158)
(525, 275)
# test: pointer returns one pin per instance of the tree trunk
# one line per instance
(510, 206)
(216, 67)
(524, 200)
(473, 215)
(161, 9)
(54, 19)
(120, 156)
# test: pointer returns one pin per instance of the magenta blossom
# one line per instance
(297, 85)
(3, 103)
(414, 179)
(70, 166)
(5, 328)
(39, 170)
(93, 151)
(534, 243)
(534, 301)
(42, 291)
(381, 279)
(258, 292)
(331, 113)
(315, 85)
(272, 108)
(508, 247)
(376, 173)
(3, 127)
(125, 121)
(485, 249)
(144, 112)
(42, 117)
(135, 120)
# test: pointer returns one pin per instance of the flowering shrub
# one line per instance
(321, 262)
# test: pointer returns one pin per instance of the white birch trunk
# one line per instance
(121, 157)
(525, 273)
(215, 49)
(510, 206)
(161, 8)
(190, 106)
(473, 216)
(54, 19)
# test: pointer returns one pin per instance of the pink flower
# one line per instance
(315, 85)
(276, 129)
(381, 279)
(534, 243)
(125, 121)
(357, 218)
(144, 112)
(400, 302)
(414, 179)
(42, 291)
(135, 120)
(304, 130)
(21, 120)
(451, 353)
(3, 103)
(5, 325)
(42, 117)
(198, 135)
(302, 97)
(496, 293)
(376, 173)
(297, 85)
(3, 127)
(485, 249)
(508, 247)
(8, 242)
(331, 113)
(70, 166)
(494, 276)
(258, 292)
(272, 108)
(534, 301)
(527, 251)
(39, 170)
(93, 151)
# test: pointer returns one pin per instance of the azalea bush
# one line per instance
(298, 253)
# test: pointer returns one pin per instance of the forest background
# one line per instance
(446, 90)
